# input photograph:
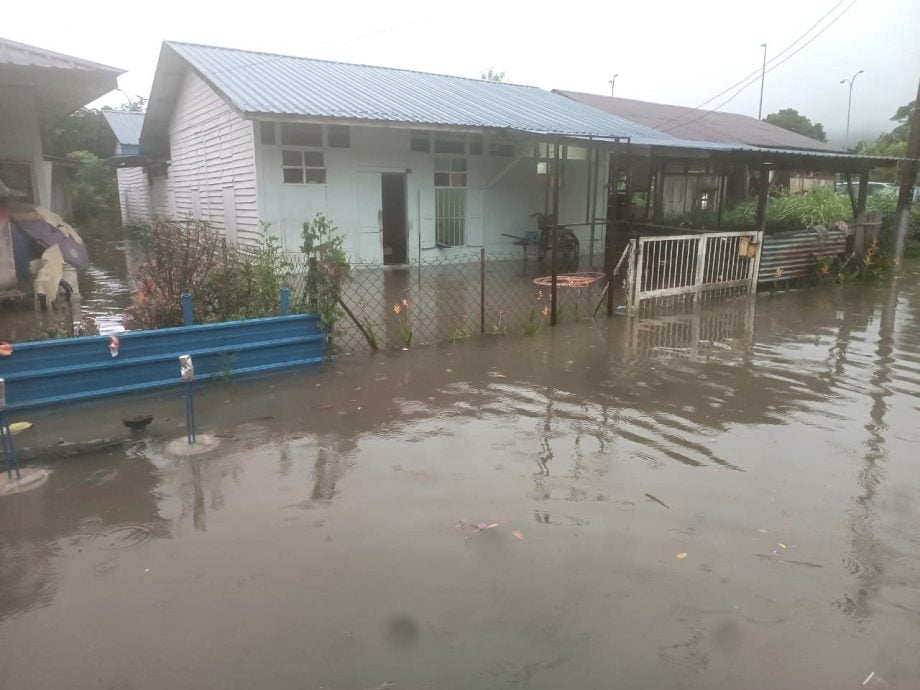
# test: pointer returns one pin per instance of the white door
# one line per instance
(370, 217)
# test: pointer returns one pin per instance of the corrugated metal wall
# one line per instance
(211, 148)
(790, 255)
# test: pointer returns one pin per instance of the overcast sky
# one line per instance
(667, 51)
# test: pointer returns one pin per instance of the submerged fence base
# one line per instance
(51, 372)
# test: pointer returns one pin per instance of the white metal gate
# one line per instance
(674, 265)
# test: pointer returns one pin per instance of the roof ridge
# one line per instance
(339, 62)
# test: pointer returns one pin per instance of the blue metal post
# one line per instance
(187, 315)
(190, 414)
(187, 374)
(285, 301)
(10, 460)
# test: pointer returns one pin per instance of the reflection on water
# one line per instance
(105, 290)
(771, 440)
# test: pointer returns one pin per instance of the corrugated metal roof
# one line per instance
(14, 53)
(262, 83)
(126, 126)
(700, 125)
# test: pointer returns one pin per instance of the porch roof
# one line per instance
(62, 83)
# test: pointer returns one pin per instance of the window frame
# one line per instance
(453, 194)
(303, 167)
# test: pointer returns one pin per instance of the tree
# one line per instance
(791, 119)
(893, 143)
(492, 75)
(95, 192)
(83, 130)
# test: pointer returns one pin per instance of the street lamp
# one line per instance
(849, 81)
(613, 83)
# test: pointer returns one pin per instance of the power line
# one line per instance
(754, 80)
(276, 58)
(757, 71)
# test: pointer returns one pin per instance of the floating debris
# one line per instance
(658, 500)
(518, 534)
(681, 556)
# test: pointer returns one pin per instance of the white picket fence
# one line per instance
(674, 265)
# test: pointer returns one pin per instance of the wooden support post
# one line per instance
(554, 178)
(611, 228)
(862, 197)
(763, 192)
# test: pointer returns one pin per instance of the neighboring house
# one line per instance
(133, 181)
(38, 89)
(404, 163)
(694, 183)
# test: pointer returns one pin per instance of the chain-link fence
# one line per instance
(480, 292)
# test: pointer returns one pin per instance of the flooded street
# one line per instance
(720, 499)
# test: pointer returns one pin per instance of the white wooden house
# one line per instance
(133, 179)
(406, 164)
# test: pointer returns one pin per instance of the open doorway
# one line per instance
(393, 213)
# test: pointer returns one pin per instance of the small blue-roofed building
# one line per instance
(134, 180)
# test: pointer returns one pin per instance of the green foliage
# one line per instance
(328, 270)
(225, 363)
(535, 319)
(875, 265)
(83, 130)
(462, 328)
(893, 143)
(371, 335)
(95, 191)
(492, 75)
(817, 206)
(791, 119)
(226, 282)
(401, 313)
(498, 326)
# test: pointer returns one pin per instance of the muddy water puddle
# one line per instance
(507, 512)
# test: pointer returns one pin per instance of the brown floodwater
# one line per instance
(333, 539)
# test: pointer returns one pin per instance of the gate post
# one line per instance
(700, 266)
(755, 264)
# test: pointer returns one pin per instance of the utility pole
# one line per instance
(763, 75)
(849, 81)
(908, 174)
(613, 83)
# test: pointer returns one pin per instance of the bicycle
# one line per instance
(567, 247)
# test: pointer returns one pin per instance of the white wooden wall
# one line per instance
(134, 196)
(350, 197)
(211, 150)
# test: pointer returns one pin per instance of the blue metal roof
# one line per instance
(126, 126)
(261, 83)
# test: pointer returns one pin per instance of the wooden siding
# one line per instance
(211, 149)
(134, 196)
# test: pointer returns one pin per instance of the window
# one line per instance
(300, 134)
(450, 172)
(500, 148)
(267, 130)
(303, 167)
(450, 201)
(339, 136)
(546, 162)
(450, 143)
(420, 141)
